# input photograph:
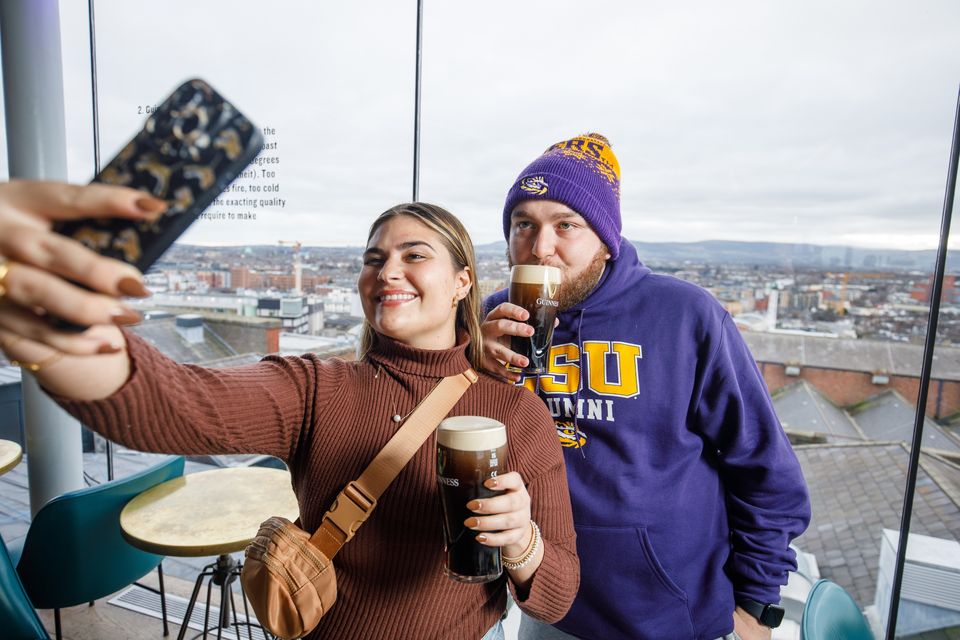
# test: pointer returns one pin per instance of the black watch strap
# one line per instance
(769, 615)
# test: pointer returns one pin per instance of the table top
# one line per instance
(207, 513)
(10, 455)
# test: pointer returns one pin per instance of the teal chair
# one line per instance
(831, 614)
(18, 618)
(74, 551)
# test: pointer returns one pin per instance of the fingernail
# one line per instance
(492, 483)
(124, 315)
(109, 347)
(471, 523)
(474, 505)
(151, 205)
(133, 287)
(481, 538)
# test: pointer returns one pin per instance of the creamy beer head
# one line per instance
(536, 274)
(471, 433)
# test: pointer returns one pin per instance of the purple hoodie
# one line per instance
(685, 491)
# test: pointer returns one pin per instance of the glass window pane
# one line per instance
(788, 159)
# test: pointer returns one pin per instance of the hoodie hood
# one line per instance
(625, 271)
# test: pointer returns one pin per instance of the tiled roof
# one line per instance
(162, 333)
(856, 490)
(851, 354)
(888, 416)
(801, 407)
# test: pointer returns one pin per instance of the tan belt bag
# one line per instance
(288, 574)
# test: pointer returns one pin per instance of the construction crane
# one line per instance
(842, 311)
(297, 267)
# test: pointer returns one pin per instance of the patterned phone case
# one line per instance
(189, 150)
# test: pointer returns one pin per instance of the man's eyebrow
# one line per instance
(520, 213)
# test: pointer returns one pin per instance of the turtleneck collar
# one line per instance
(421, 362)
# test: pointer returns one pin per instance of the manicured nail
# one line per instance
(151, 205)
(481, 538)
(109, 347)
(492, 483)
(475, 505)
(124, 315)
(471, 523)
(133, 287)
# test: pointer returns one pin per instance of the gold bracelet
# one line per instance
(527, 556)
(523, 553)
(36, 366)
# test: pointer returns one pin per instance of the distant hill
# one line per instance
(778, 254)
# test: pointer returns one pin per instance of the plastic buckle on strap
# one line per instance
(350, 510)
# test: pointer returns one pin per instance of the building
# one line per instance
(849, 371)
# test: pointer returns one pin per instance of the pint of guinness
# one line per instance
(470, 449)
(536, 288)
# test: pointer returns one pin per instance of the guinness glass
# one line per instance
(470, 449)
(536, 288)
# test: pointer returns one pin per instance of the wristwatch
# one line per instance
(769, 615)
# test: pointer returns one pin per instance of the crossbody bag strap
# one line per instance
(358, 499)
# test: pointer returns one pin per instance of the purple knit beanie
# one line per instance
(583, 174)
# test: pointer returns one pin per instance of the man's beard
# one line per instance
(575, 288)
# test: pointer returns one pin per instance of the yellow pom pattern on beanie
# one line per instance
(594, 150)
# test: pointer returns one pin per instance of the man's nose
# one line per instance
(545, 244)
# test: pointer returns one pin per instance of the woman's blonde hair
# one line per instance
(458, 244)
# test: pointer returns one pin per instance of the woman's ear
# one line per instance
(464, 280)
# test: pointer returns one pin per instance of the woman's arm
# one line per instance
(178, 408)
(545, 586)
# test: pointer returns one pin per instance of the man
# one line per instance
(686, 493)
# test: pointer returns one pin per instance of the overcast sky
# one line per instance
(814, 122)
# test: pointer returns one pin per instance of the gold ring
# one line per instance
(36, 366)
(4, 270)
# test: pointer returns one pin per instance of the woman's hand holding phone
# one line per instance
(68, 253)
(42, 271)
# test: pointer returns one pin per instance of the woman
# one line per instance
(325, 418)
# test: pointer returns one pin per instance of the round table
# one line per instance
(214, 512)
(10, 455)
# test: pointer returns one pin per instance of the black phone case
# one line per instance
(189, 150)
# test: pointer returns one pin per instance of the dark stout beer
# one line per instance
(536, 288)
(470, 449)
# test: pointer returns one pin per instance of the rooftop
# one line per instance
(856, 490)
(867, 356)
(802, 408)
(162, 333)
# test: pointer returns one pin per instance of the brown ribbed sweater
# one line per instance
(327, 419)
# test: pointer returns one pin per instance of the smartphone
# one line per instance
(189, 150)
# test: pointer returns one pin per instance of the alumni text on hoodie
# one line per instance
(685, 490)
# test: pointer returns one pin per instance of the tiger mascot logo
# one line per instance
(534, 185)
(570, 436)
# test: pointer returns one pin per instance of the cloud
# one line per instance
(815, 122)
